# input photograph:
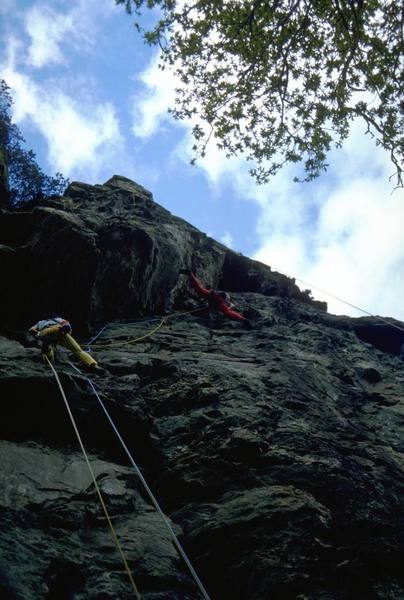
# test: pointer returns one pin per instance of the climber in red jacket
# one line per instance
(218, 301)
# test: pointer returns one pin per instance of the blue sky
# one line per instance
(91, 102)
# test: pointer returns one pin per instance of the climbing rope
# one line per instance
(151, 495)
(127, 324)
(134, 340)
(153, 499)
(101, 499)
(366, 312)
(132, 461)
(142, 337)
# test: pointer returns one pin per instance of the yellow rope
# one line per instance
(143, 337)
(113, 532)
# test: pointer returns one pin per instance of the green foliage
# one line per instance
(282, 81)
(26, 180)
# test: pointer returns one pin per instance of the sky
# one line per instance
(91, 102)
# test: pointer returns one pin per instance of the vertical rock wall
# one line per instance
(276, 452)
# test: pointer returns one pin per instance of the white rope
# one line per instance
(366, 312)
(97, 488)
(110, 325)
(138, 322)
(152, 497)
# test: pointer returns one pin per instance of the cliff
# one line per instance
(275, 452)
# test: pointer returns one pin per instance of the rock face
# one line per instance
(107, 252)
(276, 452)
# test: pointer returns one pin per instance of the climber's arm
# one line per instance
(198, 287)
(33, 330)
(232, 314)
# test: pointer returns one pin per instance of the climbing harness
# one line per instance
(101, 499)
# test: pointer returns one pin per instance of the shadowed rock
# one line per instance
(109, 251)
(276, 452)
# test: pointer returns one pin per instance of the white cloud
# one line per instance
(353, 246)
(81, 132)
(24, 89)
(80, 138)
(150, 111)
(342, 233)
(361, 262)
(150, 108)
(227, 239)
(77, 140)
(47, 30)
(54, 27)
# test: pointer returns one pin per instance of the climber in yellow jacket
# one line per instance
(55, 330)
